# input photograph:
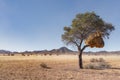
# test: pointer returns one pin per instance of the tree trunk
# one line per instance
(80, 60)
(80, 56)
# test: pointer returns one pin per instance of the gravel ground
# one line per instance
(58, 70)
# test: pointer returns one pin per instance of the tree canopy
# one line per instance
(84, 26)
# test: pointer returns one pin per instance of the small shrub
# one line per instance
(89, 66)
(97, 60)
(97, 64)
(104, 65)
(101, 60)
(12, 54)
(43, 65)
(28, 54)
(45, 54)
(23, 54)
(50, 54)
(93, 60)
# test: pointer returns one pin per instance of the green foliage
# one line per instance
(83, 26)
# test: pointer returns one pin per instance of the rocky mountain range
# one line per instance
(62, 50)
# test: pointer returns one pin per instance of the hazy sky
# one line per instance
(38, 24)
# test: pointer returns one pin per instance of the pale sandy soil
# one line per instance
(63, 67)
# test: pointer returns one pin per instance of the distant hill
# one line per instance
(4, 52)
(62, 50)
(104, 53)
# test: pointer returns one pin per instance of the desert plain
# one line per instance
(62, 67)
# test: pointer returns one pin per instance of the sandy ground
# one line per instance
(62, 67)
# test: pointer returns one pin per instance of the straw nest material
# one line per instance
(95, 40)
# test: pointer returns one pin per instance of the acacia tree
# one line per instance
(84, 26)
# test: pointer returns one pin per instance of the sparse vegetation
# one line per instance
(12, 54)
(43, 65)
(98, 64)
(23, 54)
(63, 67)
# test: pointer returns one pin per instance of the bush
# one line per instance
(43, 65)
(93, 60)
(101, 60)
(103, 65)
(89, 66)
(97, 60)
(97, 64)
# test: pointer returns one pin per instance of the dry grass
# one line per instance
(98, 64)
(63, 67)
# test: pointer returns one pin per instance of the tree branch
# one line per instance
(81, 43)
(84, 47)
(75, 43)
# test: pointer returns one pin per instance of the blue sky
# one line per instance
(38, 24)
